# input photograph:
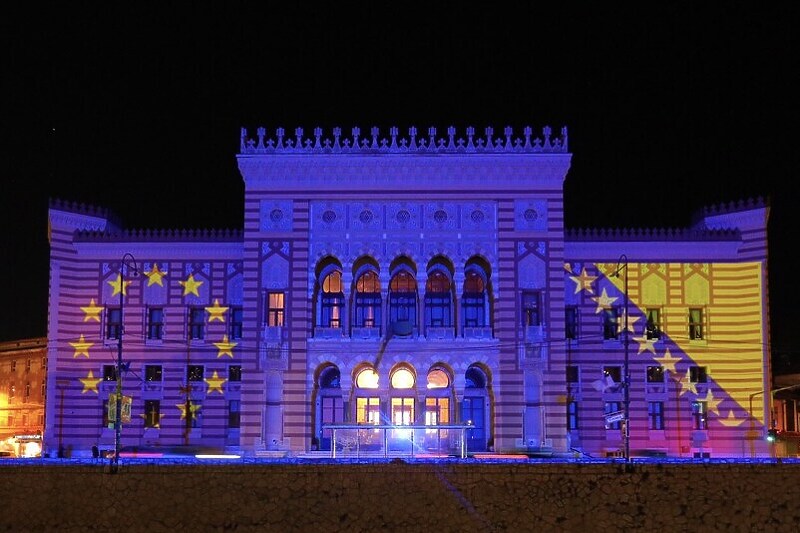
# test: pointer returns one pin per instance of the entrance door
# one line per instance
(332, 413)
(473, 410)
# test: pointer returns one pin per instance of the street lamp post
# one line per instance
(622, 266)
(118, 420)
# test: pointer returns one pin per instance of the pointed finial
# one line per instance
(374, 132)
(317, 135)
(356, 132)
(242, 139)
(470, 134)
(260, 132)
(546, 131)
(298, 133)
(412, 132)
(508, 132)
(337, 132)
(564, 139)
(451, 132)
(280, 132)
(432, 135)
(393, 132)
(527, 131)
(489, 132)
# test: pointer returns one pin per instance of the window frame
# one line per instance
(196, 323)
(113, 325)
(655, 415)
(236, 326)
(155, 328)
(275, 308)
(696, 324)
(611, 323)
(653, 328)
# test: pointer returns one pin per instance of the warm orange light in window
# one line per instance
(402, 379)
(367, 379)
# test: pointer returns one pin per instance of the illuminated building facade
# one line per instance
(23, 371)
(411, 280)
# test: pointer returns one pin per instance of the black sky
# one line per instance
(138, 109)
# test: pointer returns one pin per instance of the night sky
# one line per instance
(669, 108)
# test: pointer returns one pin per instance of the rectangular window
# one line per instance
(610, 323)
(612, 407)
(195, 372)
(571, 322)
(152, 413)
(332, 310)
(237, 315)
(655, 374)
(368, 310)
(437, 308)
(197, 320)
(655, 412)
(572, 373)
(109, 372)
(107, 423)
(44, 362)
(699, 415)
(234, 414)
(235, 373)
(155, 323)
(44, 388)
(698, 374)
(113, 322)
(696, 324)
(653, 326)
(530, 308)
(572, 415)
(612, 373)
(27, 365)
(275, 309)
(13, 365)
(368, 411)
(152, 373)
(27, 390)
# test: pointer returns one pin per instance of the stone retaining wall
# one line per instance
(423, 497)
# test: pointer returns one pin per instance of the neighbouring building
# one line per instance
(411, 280)
(23, 388)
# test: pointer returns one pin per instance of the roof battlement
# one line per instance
(161, 235)
(81, 208)
(651, 234)
(413, 145)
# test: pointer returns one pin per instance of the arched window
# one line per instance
(402, 378)
(403, 303)
(474, 299)
(438, 379)
(368, 406)
(474, 378)
(331, 405)
(438, 300)
(330, 378)
(332, 301)
(367, 312)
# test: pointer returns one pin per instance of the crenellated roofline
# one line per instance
(414, 144)
(650, 234)
(162, 235)
(730, 207)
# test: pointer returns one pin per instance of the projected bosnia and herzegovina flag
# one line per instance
(711, 343)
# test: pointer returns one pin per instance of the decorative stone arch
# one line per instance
(478, 407)
(326, 266)
(404, 250)
(327, 403)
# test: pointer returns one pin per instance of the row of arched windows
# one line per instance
(400, 308)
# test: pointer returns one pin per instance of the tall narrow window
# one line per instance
(332, 301)
(653, 326)
(109, 373)
(572, 373)
(612, 408)
(368, 301)
(235, 373)
(531, 315)
(699, 415)
(237, 315)
(155, 323)
(655, 374)
(571, 322)
(655, 412)
(438, 300)
(197, 321)
(403, 303)
(474, 300)
(572, 415)
(275, 309)
(696, 324)
(152, 413)
(610, 323)
(234, 414)
(113, 322)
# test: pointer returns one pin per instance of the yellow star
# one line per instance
(730, 420)
(603, 301)
(712, 402)
(215, 383)
(225, 347)
(687, 385)
(190, 285)
(81, 347)
(193, 408)
(92, 312)
(90, 383)
(584, 281)
(646, 344)
(668, 362)
(119, 286)
(155, 276)
(632, 319)
(216, 311)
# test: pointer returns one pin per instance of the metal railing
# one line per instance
(385, 439)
